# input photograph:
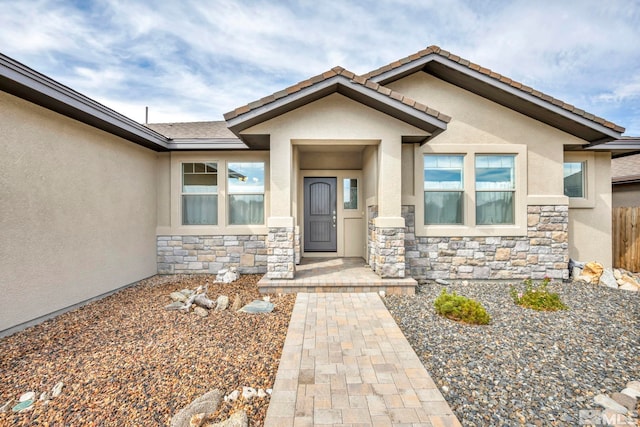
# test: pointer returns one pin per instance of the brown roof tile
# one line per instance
(327, 75)
(628, 166)
(445, 54)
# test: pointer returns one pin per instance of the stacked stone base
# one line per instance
(544, 251)
(209, 254)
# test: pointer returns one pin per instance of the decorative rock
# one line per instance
(269, 391)
(442, 282)
(591, 272)
(178, 296)
(237, 419)
(612, 418)
(261, 393)
(227, 275)
(258, 306)
(43, 396)
(249, 392)
(608, 403)
(629, 287)
(627, 401)
(607, 279)
(222, 302)
(197, 420)
(176, 305)
(634, 385)
(57, 389)
(207, 404)
(23, 406)
(631, 392)
(203, 301)
(232, 396)
(201, 312)
(6, 406)
(575, 273)
(30, 395)
(266, 298)
(237, 303)
(382, 293)
(617, 274)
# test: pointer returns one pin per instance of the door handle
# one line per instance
(334, 221)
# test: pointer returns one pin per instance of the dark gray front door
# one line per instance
(320, 215)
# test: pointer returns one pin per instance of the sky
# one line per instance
(194, 60)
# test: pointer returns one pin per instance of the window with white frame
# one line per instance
(574, 179)
(199, 193)
(443, 189)
(245, 186)
(495, 189)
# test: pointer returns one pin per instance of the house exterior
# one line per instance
(430, 167)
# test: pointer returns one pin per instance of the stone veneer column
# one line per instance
(281, 252)
(390, 262)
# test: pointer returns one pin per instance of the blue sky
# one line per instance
(194, 60)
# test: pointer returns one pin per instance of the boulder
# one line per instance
(227, 275)
(631, 392)
(635, 385)
(258, 306)
(23, 406)
(176, 305)
(201, 312)
(237, 303)
(30, 395)
(608, 279)
(222, 302)
(178, 296)
(237, 419)
(629, 287)
(608, 403)
(617, 273)
(248, 393)
(591, 272)
(625, 400)
(205, 404)
(628, 280)
(57, 389)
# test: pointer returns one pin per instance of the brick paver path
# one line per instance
(345, 362)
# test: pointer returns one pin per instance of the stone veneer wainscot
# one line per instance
(544, 251)
(209, 254)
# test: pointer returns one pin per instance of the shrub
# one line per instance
(461, 308)
(537, 297)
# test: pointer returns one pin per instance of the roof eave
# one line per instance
(344, 86)
(23, 82)
(180, 144)
(599, 132)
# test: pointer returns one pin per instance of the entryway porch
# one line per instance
(320, 275)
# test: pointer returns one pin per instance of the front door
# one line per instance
(320, 219)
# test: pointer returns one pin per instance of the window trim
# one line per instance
(469, 227)
(222, 158)
(588, 201)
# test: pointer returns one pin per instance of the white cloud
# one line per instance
(194, 60)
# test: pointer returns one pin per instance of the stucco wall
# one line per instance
(626, 195)
(590, 228)
(78, 212)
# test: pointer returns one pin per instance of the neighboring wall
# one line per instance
(626, 195)
(77, 212)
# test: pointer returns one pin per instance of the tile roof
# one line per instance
(498, 77)
(193, 130)
(334, 72)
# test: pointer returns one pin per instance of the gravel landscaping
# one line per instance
(526, 367)
(125, 360)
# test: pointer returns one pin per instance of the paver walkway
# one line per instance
(345, 362)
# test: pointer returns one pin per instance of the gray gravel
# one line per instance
(525, 367)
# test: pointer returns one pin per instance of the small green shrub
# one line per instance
(537, 297)
(461, 308)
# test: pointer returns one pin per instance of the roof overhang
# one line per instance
(178, 144)
(344, 86)
(625, 146)
(502, 93)
(21, 81)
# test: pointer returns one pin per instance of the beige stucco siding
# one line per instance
(78, 212)
(336, 119)
(478, 121)
(590, 228)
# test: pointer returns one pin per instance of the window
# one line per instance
(574, 179)
(246, 193)
(495, 188)
(199, 194)
(443, 189)
(350, 193)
